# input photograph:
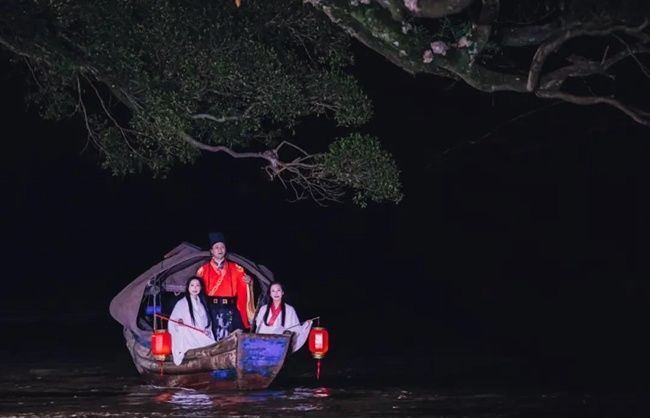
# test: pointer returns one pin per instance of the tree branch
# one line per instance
(304, 180)
(529, 35)
(637, 115)
(212, 118)
(220, 148)
(436, 8)
(385, 36)
(21, 52)
(574, 31)
(584, 68)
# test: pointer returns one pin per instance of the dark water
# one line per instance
(43, 373)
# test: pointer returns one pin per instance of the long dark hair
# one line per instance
(201, 298)
(268, 305)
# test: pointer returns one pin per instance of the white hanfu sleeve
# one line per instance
(300, 331)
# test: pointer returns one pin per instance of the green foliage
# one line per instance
(139, 72)
(359, 162)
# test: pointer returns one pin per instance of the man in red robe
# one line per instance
(229, 290)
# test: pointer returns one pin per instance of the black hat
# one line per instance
(214, 237)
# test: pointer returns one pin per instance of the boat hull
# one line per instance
(241, 361)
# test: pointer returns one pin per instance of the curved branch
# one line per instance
(436, 8)
(529, 35)
(84, 113)
(412, 50)
(11, 47)
(304, 180)
(573, 31)
(583, 68)
(637, 115)
(122, 130)
(220, 148)
(405, 50)
(212, 118)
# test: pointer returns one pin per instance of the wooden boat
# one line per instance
(239, 361)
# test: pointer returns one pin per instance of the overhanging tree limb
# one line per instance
(456, 44)
(305, 180)
(574, 31)
(436, 8)
(637, 115)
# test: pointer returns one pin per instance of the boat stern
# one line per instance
(259, 359)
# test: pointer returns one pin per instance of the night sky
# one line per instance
(529, 242)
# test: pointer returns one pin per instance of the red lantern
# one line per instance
(319, 343)
(161, 344)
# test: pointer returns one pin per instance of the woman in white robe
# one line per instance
(278, 317)
(191, 310)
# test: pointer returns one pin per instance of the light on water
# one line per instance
(188, 400)
(94, 384)
(91, 391)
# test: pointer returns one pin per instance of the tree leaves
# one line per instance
(359, 162)
(140, 72)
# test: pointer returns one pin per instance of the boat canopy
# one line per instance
(171, 274)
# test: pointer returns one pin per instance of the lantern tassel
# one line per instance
(318, 369)
(161, 368)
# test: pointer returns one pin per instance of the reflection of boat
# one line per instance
(239, 361)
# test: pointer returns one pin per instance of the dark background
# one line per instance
(527, 244)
